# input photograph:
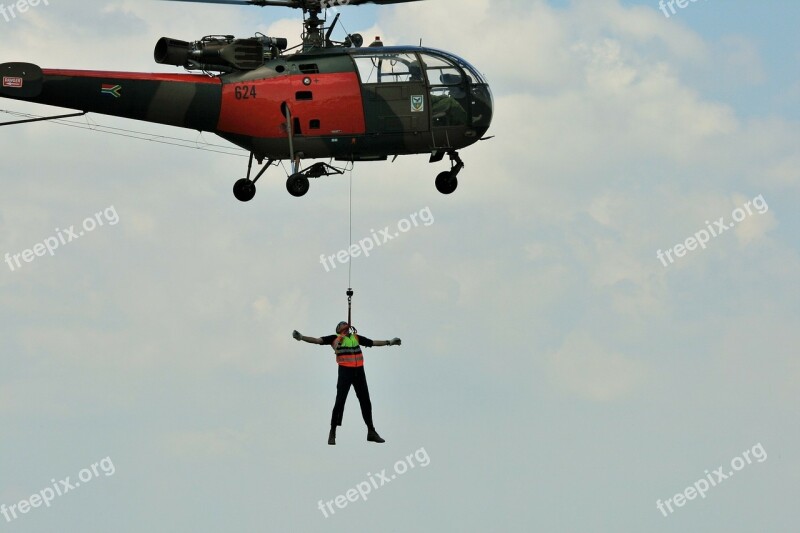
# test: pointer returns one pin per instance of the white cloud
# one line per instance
(583, 367)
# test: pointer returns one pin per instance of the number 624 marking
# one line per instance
(245, 92)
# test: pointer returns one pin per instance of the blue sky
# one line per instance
(557, 375)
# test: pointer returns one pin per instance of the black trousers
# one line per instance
(356, 377)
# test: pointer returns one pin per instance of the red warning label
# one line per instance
(14, 83)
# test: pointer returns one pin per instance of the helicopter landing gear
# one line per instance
(245, 189)
(298, 183)
(447, 182)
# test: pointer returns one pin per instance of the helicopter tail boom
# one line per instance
(20, 80)
(183, 100)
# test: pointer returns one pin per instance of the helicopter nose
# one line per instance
(482, 108)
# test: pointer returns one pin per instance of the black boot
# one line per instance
(332, 436)
(373, 436)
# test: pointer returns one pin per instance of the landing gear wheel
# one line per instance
(244, 190)
(297, 186)
(446, 183)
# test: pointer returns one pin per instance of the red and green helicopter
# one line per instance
(323, 99)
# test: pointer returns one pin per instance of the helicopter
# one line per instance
(323, 99)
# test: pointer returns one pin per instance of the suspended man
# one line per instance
(347, 345)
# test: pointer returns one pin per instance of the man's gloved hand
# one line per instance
(296, 335)
(395, 342)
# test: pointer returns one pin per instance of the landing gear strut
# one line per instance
(298, 184)
(447, 182)
(245, 189)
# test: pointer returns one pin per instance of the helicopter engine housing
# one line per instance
(221, 53)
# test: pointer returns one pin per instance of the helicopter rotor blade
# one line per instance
(296, 4)
(261, 3)
(380, 2)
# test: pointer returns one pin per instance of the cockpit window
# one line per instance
(441, 72)
(388, 68)
(472, 73)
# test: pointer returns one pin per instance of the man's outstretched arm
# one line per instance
(312, 340)
(393, 342)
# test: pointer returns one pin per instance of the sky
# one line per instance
(573, 359)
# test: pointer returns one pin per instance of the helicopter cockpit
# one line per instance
(457, 94)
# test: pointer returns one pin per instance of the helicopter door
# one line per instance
(395, 95)
(449, 97)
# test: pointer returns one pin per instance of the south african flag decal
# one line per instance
(113, 90)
